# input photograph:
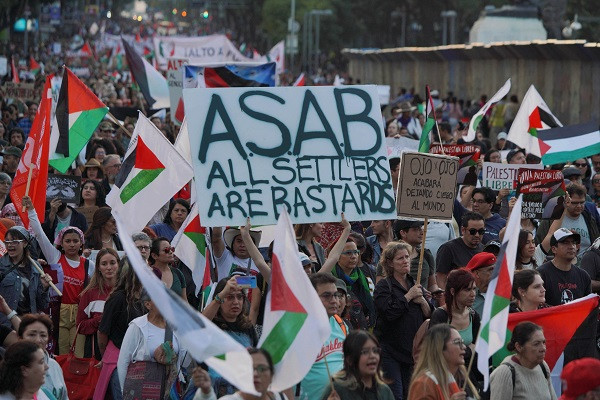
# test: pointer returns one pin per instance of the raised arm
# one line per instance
(216, 241)
(336, 250)
(258, 259)
(50, 252)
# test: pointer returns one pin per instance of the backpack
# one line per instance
(513, 372)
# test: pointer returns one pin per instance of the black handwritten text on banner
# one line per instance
(318, 151)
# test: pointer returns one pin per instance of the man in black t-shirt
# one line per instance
(564, 282)
(457, 253)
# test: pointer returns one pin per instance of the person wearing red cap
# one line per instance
(581, 380)
(482, 266)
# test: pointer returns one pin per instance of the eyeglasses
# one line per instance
(143, 248)
(580, 165)
(473, 231)
(261, 369)
(351, 252)
(577, 203)
(169, 250)
(374, 350)
(596, 180)
(13, 242)
(459, 343)
(327, 296)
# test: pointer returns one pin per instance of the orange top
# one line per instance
(426, 387)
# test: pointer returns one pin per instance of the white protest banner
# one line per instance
(319, 151)
(502, 176)
(205, 49)
(427, 186)
(396, 146)
(3, 66)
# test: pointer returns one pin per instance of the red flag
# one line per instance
(15, 73)
(35, 155)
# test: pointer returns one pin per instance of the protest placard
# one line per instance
(427, 186)
(318, 151)
(543, 193)
(3, 66)
(175, 84)
(468, 155)
(64, 187)
(396, 146)
(502, 176)
(23, 91)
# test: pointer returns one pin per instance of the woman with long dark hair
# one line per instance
(102, 233)
(162, 257)
(361, 376)
(23, 372)
(176, 215)
(305, 237)
(93, 298)
(528, 291)
(525, 251)
(92, 198)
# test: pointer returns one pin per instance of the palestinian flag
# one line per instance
(474, 123)
(152, 83)
(533, 116)
(295, 323)
(14, 72)
(34, 67)
(581, 315)
(492, 334)
(78, 113)
(240, 76)
(568, 143)
(191, 246)
(86, 50)
(301, 81)
(425, 141)
(151, 173)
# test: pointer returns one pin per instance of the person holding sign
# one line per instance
(457, 253)
(231, 253)
(76, 272)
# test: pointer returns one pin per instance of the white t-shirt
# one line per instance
(228, 263)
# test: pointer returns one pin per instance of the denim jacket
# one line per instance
(10, 289)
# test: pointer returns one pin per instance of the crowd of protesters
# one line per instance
(402, 338)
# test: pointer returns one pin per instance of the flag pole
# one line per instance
(422, 251)
(329, 373)
(115, 120)
(42, 273)
(29, 175)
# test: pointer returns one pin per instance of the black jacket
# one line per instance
(77, 220)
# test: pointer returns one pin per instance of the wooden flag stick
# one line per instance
(29, 175)
(116, 121)
(329, 373)
(42, 273)
(422, 253)
(468, 372)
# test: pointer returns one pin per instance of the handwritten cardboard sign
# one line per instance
(23, 91)
(427, 186)
(318, 151)
(543, 193)
(64, 187)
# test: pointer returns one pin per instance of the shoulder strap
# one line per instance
(341, 323)
(512, 373)
(546, 375)
(86, 268)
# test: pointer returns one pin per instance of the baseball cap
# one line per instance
(512, 153)
(481, 260)
(579, 377)
(563, 233)
(340, 284)
(491, 246)
(571, 171)
(502, 136)
(304, 260)
(106, 125)
(12, 151)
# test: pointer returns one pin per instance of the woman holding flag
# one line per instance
(76, 271)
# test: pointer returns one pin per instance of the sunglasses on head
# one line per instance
(473, 231)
